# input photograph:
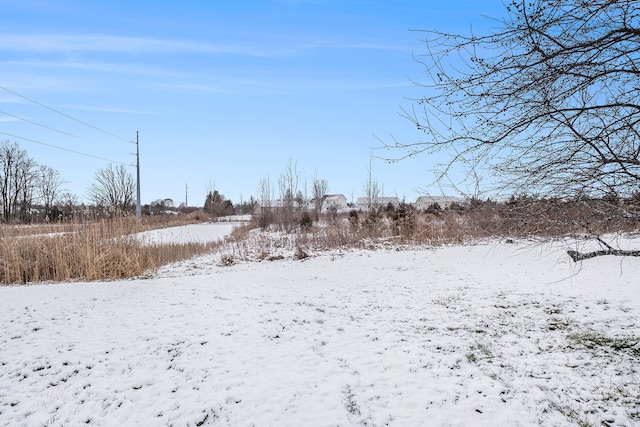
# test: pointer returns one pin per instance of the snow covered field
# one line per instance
(193, 233)
(486, 335)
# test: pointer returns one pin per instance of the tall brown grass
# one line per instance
(95, 251)
(521, 219)
(106, 250)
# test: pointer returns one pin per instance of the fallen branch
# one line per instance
(579, 256)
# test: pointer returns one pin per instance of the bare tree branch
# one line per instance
(551, 94)
(579, 256)
(548, 101)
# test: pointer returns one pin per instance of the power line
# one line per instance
(64, 149)
(65, 115)
(35, 123)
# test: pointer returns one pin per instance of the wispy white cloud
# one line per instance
(10, 99)
(339, 44)
(107, 109)
(107, 67)
(39, 6)
(197, 87)
(20, 80)
(299, 1)
(119, 44)
(260, 47)
(280, 86)
(369, 85)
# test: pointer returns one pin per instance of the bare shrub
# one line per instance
(300, 253)
(404, 220)
(354, 219)
(373, 223)
(305, 221)
(227, 260)
(520, 217)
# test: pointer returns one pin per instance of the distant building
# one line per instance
(262, 206)
(365, 203)
(423, 202)
(337, 202)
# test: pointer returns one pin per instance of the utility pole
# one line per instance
(138, 206)
(186, 195)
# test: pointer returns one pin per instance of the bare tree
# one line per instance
(49, 183)
(371, 187)
(25, 187)
(548, 100)
(265, 198)
(305, 195)
(319, 189)
(114, 188)
(68, 205)
(17, 180)
(288, 184)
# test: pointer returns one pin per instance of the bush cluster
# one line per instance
(518, 217)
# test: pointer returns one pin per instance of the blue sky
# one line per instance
(223, 93)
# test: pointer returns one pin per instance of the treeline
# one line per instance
(24, 184)
(30, 192)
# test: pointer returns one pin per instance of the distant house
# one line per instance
(262, 206)
(365, 203)
(424, 202)
(335, 202)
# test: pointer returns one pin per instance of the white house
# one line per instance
(270, 205)
(364, 203)
(423, 202)
(337, 202)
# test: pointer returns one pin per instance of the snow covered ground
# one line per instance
(483, 335)
(193, 233)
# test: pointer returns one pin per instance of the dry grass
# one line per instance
(106, 250)
(371, 230)
(96, 251)
(127, 224)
